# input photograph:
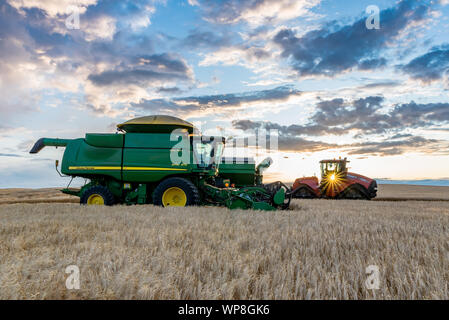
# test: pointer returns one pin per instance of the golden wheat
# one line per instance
(404, 191)
(318, 250)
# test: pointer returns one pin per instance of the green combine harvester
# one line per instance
(145, 162)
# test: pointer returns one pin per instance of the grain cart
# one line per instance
(336, 183)
(155, 159)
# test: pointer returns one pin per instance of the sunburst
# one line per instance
(332, 183)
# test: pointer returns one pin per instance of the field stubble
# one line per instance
(318, 250)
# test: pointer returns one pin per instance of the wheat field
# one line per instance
(386, 192)
(318, 250)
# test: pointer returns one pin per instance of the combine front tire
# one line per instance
(176, 192)
(97, 195)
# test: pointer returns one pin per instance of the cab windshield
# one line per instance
(207, 151)
(327, 167)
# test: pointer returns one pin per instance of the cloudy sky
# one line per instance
(310, 69)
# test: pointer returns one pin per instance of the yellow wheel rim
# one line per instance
(174, 197)
(95, 199)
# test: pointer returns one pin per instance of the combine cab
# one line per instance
(336, 183)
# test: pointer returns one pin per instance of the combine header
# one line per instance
(136, 166)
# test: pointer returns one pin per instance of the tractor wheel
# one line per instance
(176, 192)
(303, 192)
(97, 195)
(372, 190)
(355, 192)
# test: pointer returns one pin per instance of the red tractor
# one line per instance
(336, 183)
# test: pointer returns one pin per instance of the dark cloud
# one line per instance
(431, 66)
(39, 32)
(135, 76)
(281, 93)
(12, 29)
(365, 117)
(362, 117)
(313, 130)
(382, 84)
(400, 136)
(173, 90)
(32, 36)
(369, 64)
(164, 106)
(391, 147)
(421, 115)
(277, 94)
(333, 50)
(10, 155)
(358, 114)
(246, 124)
(145, 68)
(298, 144)
(335, 116)
(169, 62)
(281, 142)
(396, 145)
(198, 38)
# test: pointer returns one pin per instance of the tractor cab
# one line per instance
(333, 168)
(333, 176)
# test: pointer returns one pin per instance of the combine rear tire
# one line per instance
(97, 195)
(176, 192)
